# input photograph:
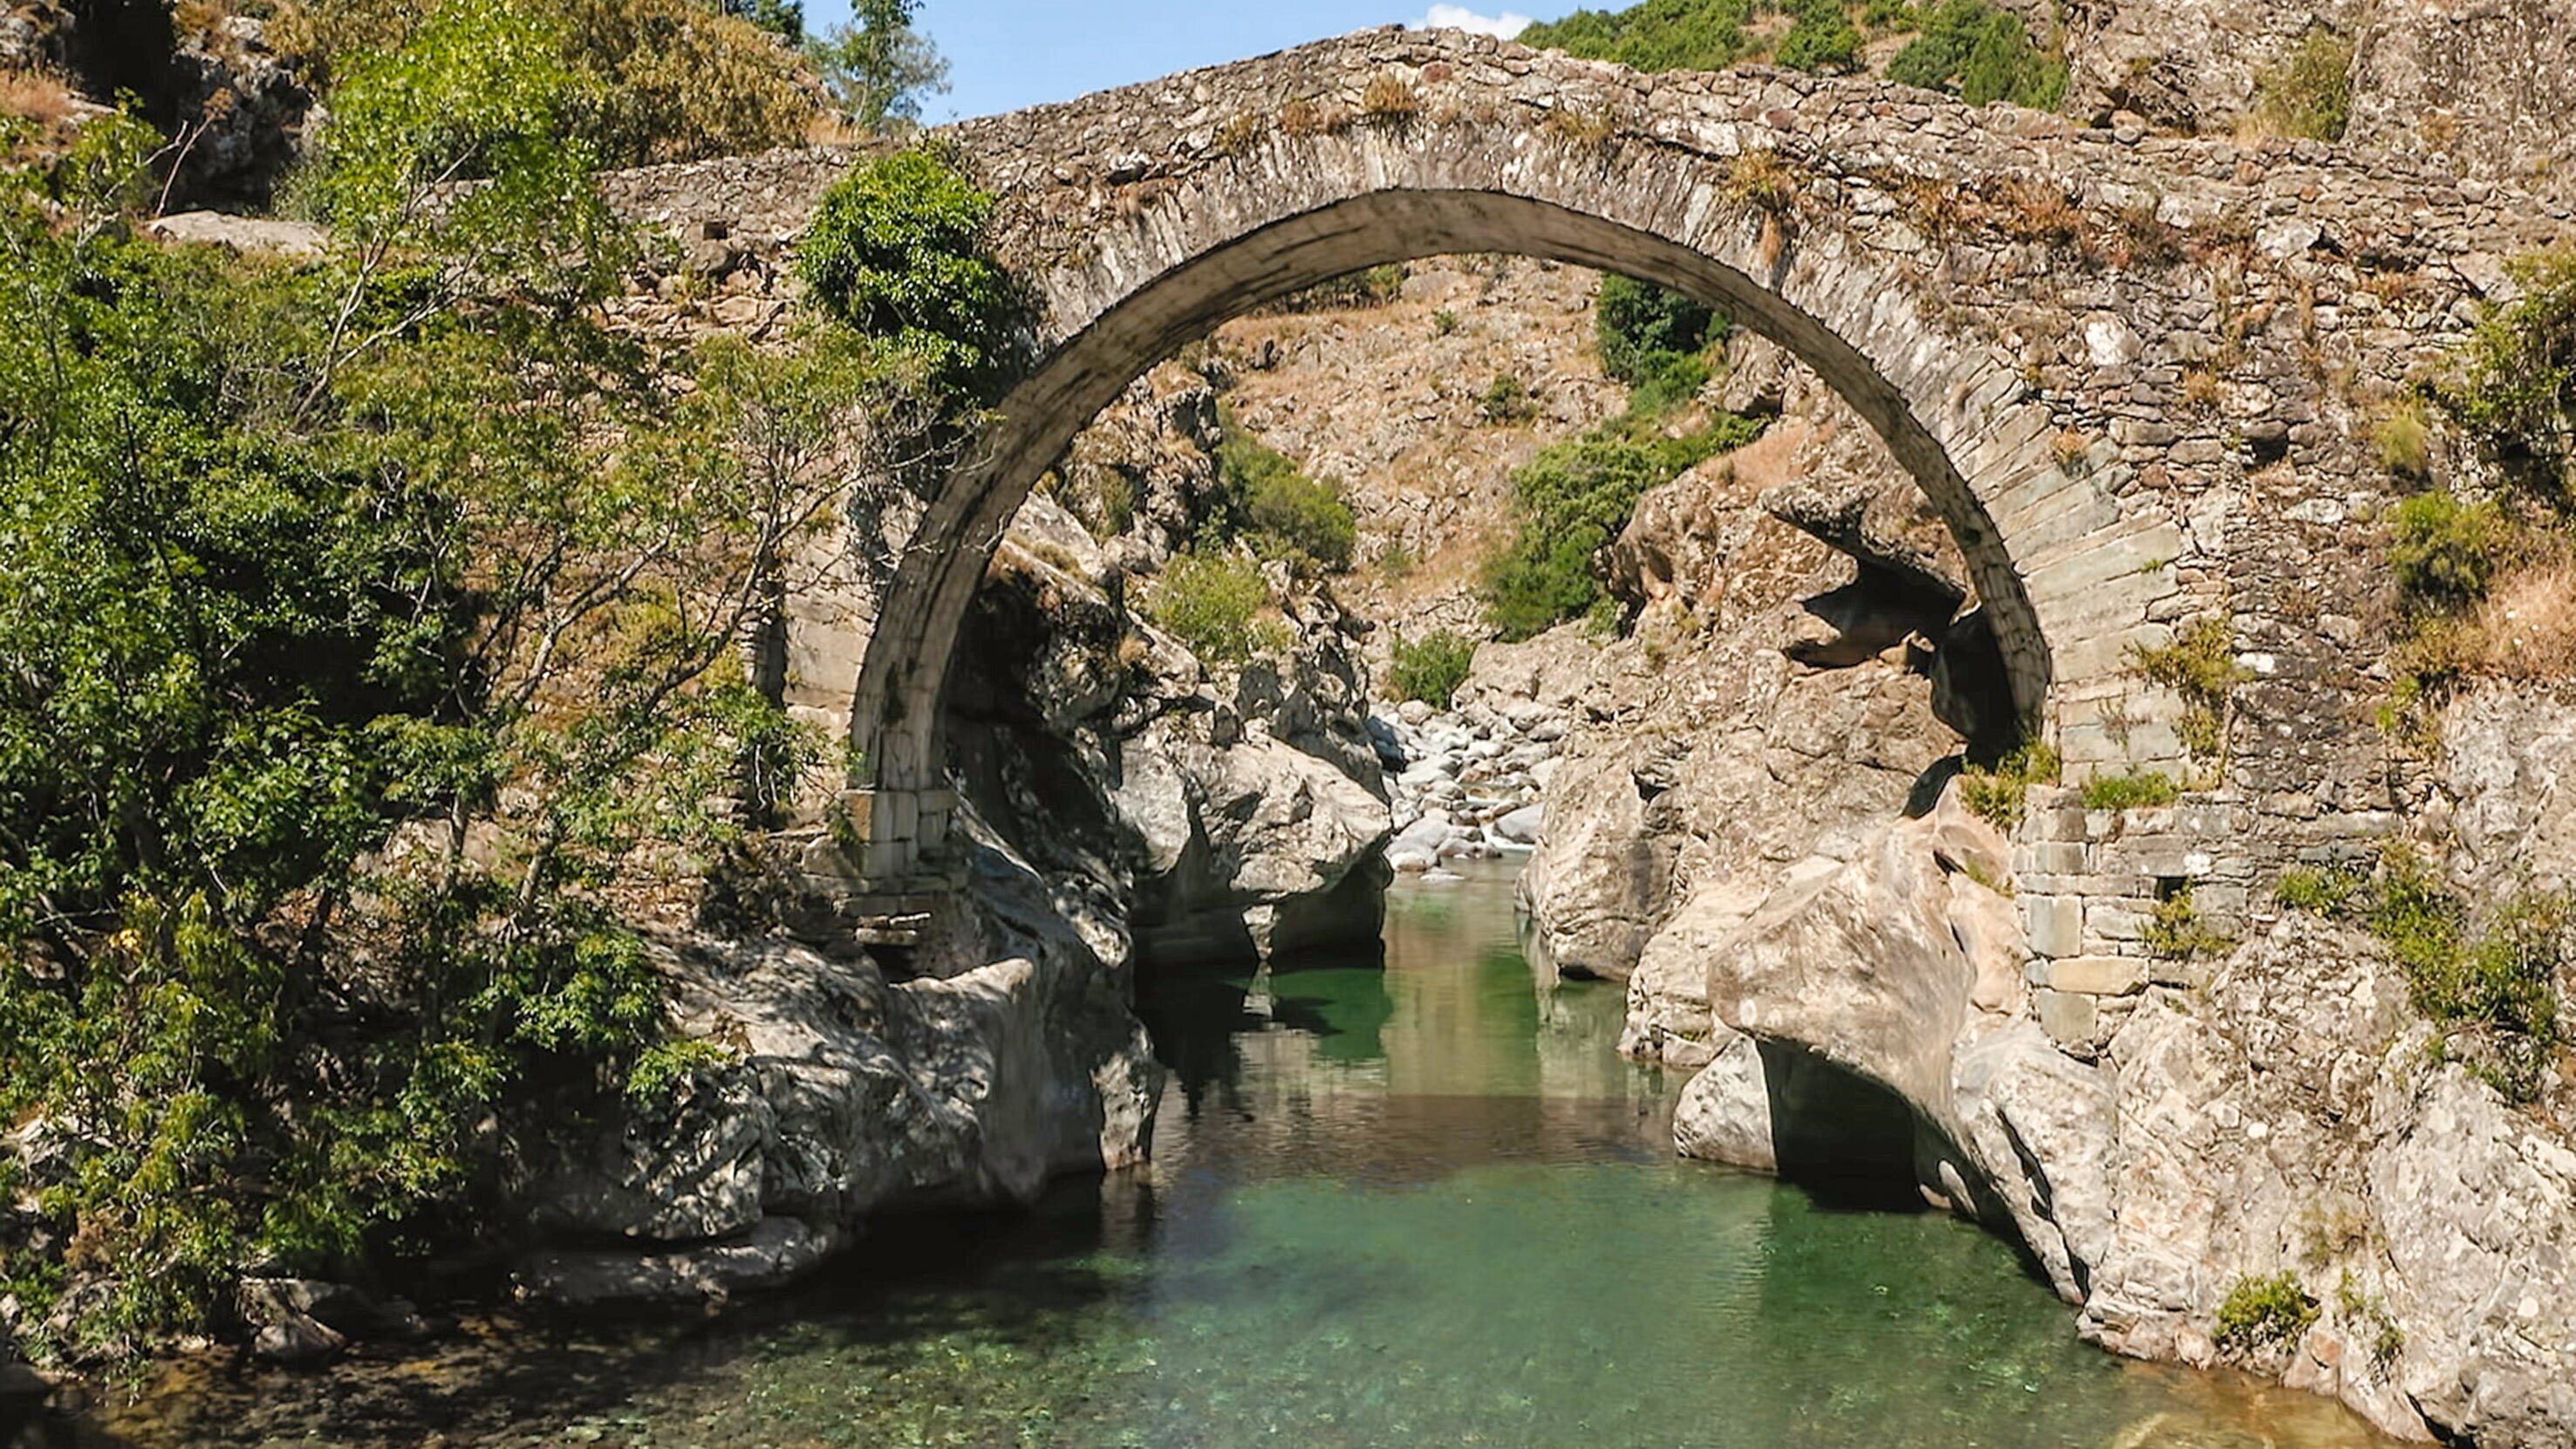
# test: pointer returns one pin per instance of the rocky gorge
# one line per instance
(2257, 1067)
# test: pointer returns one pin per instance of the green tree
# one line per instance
(376, 638)
(1822, 39)
(878, 67)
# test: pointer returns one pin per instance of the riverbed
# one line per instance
(1412, 1201)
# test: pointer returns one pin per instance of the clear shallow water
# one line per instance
(1422, 1205)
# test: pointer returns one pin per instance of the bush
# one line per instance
(1508, 400)
(1980, 54)
(1431, 669)
(2263, 1313)
(1281, 512)
(2502, 981)
(2130, 792)
(896, 251)
(2176, 932)
(2318, 892)
(2310, 94)
(1640, 328)
(1209, 602)
(2515, 386)
(662, 80)
(2446, 551)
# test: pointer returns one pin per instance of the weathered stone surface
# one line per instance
(1708, 758)
(243, 234)
(1724, 1114)
(2511, 759)
(1004, 1054)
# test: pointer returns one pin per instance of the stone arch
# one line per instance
(1127, 269)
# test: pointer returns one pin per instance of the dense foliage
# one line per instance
(1280, 511)
(893, 251)
(652, 80)
(1655, 35)
(375, 634)
(1980, 54)
(1820, 35)
(1640, 328)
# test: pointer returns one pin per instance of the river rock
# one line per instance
(772, 1252)
(1521, 826)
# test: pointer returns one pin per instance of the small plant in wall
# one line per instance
(2200, 666)
(2141, 791)
(2000, 794)
(2176, 932)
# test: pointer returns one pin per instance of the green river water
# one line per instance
(1401, 1207)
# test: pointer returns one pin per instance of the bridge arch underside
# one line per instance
(1951, 411)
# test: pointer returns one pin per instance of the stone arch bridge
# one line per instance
(2137, 375)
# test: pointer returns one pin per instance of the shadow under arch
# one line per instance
(895, 715)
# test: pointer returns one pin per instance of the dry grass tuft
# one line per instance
(37, 97)
(1304, 117)
(1390, 99)
(2527, 624)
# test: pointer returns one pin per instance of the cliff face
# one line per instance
(2489, 86)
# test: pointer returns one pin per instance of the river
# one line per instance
(1393, 1205)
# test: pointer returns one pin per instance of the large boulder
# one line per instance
(994, 1053)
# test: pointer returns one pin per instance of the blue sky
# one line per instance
(1005, 54)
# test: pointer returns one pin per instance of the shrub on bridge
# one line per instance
(896, 251)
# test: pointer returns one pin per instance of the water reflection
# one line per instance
(1399, 1205)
